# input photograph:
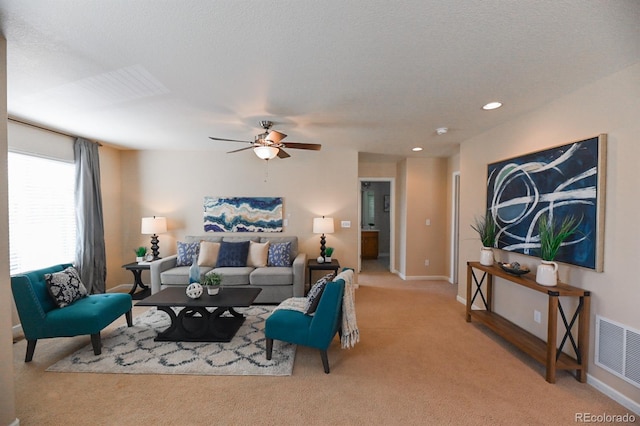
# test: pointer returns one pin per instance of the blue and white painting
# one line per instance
(561, 181)
(243, 214)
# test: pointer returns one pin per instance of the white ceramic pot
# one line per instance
(327, 259)
(486, 256)
(139, 259)
(547, 273)
(212, 291)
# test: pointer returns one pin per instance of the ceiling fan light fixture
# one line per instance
(265, 152)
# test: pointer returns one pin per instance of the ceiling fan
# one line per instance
(269, 144)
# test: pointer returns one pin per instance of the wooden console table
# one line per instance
(542, 351)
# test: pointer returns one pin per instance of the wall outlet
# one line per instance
(428, 222)
(426, 262)
(537, 317)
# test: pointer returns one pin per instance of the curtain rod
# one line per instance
(47, 129)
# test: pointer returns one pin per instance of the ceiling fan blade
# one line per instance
(276, 136)
(241, 149)
(228, 140)
(283, 154)
(298, 145)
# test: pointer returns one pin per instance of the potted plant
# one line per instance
(552, 235)
(487, 230)
(212, 282)
(140, 252)
(327, 254)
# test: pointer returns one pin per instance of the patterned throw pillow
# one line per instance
(280, 254)
(65, 287)
(313, 298)
(186, 252)
(233, 254)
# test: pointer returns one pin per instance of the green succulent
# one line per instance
(212, 279)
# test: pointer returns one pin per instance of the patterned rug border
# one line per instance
(132, 350)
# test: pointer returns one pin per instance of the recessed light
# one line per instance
(416, 149)
(492, 105)
(441, 131)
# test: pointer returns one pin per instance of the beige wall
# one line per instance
(7, 393)
(174, 184)
(611, 106)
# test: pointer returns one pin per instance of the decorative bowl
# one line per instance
(514, 268)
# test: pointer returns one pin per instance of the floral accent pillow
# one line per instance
(280, 254)
(313, 298)
(186, 253)
(65, 287)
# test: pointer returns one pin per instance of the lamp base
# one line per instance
(322, 247)
(154, 247)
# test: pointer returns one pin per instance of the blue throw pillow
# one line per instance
(280, 254)
(313, 298)
(186, 253)
(233, 254)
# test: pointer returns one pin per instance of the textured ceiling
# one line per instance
(376, 76)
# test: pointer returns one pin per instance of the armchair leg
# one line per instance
(269, 348)
(129, 318)
(325, 361)
(31, 347)
(96, 343)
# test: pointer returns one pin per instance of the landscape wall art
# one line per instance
(243, 214)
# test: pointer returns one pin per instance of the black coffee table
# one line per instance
(195, 323)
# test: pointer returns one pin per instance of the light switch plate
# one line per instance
(345, 224)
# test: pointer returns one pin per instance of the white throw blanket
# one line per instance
(350, 332)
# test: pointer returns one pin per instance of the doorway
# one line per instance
(376, 236)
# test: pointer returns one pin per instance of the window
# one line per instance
(42, 229)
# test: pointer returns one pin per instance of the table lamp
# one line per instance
(322, 225)
(153, 226)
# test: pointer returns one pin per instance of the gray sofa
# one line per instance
(277, 283)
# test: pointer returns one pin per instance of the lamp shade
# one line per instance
(323, 225)
(266, 152)
(153, 225)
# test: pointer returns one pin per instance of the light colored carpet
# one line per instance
(132, 350)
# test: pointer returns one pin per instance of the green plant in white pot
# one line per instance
(552, 235)
(487, 230)
(212, 281)
(140, 252)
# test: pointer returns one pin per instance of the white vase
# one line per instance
(212, 291)
(547, 273)
(486, 256)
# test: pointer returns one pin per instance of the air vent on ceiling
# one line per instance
(618, 349)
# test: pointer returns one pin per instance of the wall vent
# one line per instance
(618, 349)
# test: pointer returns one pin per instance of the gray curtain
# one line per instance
(91, 259)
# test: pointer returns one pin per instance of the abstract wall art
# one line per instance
(561, 181)
(243, 214)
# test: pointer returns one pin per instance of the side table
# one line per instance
(313, 265)
(136, 269)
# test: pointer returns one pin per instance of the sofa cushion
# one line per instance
(258, 253)
(280, 254)
(313, 298)
(65, 287)
(293, 240)
(208, 254)
(186, 253)
(233, 254)
(234, 276)
(180, 275)
(272, 275)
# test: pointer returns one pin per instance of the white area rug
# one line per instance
(131, 350)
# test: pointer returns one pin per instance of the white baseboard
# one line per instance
(16, 331)
(121, 286)
(621, 399)
(16, 422)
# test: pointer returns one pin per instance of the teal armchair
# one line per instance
(41, 318)
(315, 331)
